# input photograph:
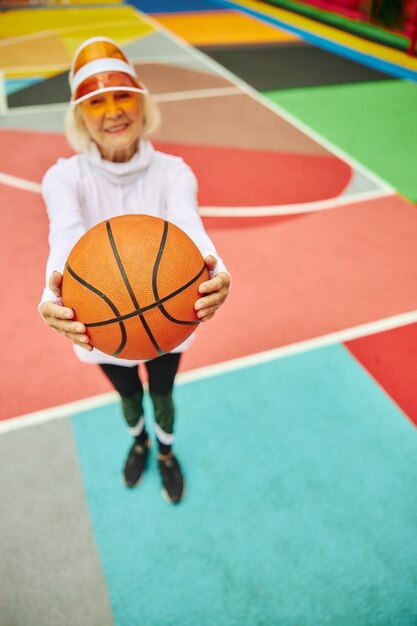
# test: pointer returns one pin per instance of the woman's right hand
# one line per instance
(60, 317)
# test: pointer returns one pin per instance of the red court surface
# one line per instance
(28, 154)
(391, 358)
(295, 277)
(292, 281)
(227, 176)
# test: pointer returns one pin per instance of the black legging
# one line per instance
(161, 374)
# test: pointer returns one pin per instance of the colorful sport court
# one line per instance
(297, 404)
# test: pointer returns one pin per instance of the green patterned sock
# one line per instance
(164, 420)
(132, 408)
(164, 411)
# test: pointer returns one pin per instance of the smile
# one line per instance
(117, 129)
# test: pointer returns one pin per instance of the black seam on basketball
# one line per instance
(155, 282)
(150, 306)
(129, 288)
(106, 300)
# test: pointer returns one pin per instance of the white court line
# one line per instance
(257, 211)
(3, 95)
(348, 334)
(292, 209)
(338, 337)
(255, 359)
(65, 29)
(63, 410)
(250, 91)
(38, 69)
(194, 94)
(165, 58)
(35, 108)
(40, 34)
(19, 183)
(44, 69)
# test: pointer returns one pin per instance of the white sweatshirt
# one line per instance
(85, 189)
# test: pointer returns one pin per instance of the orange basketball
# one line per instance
(133, 281)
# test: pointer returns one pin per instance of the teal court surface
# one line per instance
(300, 507)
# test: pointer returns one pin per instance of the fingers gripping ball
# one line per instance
(133, 281)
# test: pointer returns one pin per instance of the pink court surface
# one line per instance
(321, 250)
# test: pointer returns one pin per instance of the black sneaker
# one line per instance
(135, 463)
(172, 479)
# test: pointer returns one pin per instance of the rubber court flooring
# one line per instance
(296, 405)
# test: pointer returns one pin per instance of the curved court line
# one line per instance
(200, 373)
(250, 91)
(292, 209)
(272, 106)
(230, 211)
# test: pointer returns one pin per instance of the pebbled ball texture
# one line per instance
(133, 281)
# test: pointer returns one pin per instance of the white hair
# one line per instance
(79, 138)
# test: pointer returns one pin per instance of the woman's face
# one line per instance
(114, 121)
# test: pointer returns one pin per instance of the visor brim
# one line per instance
(105, 90)
(105, 82)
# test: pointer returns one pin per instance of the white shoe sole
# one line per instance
(167, 499)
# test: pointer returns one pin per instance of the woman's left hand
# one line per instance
(214, 292)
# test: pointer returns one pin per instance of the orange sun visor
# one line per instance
(100, 65)
(107, 81)
(96, 48)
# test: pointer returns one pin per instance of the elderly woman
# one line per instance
(116, 172)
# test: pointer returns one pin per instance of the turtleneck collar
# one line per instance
(139, 161)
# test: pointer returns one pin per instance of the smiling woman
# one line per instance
(106, 100)
(114, 121)
(118, 172)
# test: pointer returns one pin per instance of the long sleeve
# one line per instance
(182, 210)
(66, 225)
(85, 190)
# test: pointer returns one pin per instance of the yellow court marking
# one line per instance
(14, 24)
(65, 3)
(35, 71)
(44, 45)
(122, 32)
(333, 34)
(89, 2)
(222, 27)
(39, 52)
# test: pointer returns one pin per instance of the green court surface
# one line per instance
(374, 123)
(301, 475)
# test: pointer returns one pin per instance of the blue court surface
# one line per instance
(176, 6)
(300, 505)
